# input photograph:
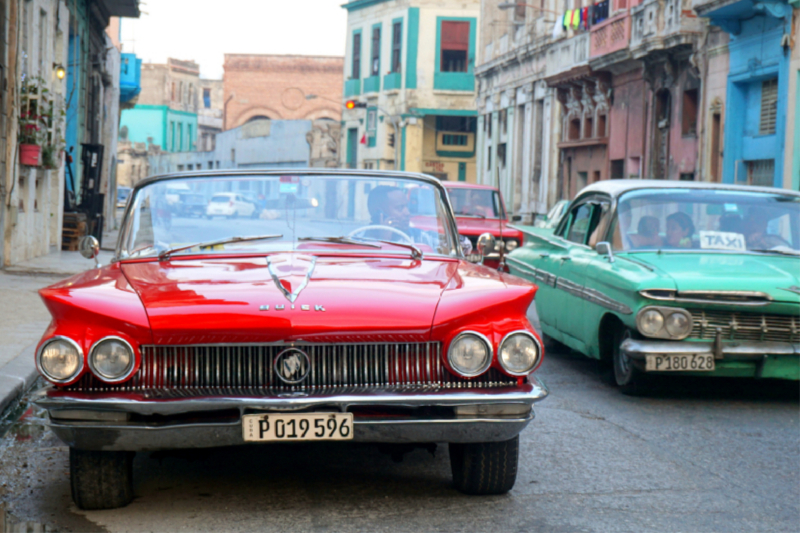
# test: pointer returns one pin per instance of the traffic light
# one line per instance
(352, 104)
(391, 140)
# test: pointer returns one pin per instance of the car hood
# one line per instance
(477, 226)
(321, 299)
(771, 274)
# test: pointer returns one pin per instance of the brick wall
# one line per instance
(276, 87)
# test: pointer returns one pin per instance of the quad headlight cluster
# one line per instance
(470, 353)
(61, 359)
(664, 322)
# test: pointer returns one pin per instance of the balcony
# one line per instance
(658, 25)
(372, 84)
(566, 55)
(611, 35)
(392, 81)
(130, 77)
(352, 87)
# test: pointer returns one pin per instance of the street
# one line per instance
(697, 455)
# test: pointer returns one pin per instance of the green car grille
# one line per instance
(744, 326)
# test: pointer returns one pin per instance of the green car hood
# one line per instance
(770, 274)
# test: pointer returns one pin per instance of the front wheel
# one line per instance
(485, 468)
(629, 379)
(101, 480)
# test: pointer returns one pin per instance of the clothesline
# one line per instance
(581, 18)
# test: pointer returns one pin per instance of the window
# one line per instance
(356, 72)
(210, 165)
(174, 93)
(601, 125)
(487, 124)
(43, 36)
(24, 41)
(455, 140)
(769, 106)
(687, 176)
(180, 168)
(189, 137)
(207, 98)
(501, 155)
(456, 124)
(583, 180)
(455, 46)
(689, 118)
(578, 226)
(504, 121)
(574, 132)
(489, 158)
(397, 44)
(375, 68)
(588, 125)
(617, 169)
(761, 172)
(190, 167)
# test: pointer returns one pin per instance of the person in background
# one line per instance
(680, 229)
(647, 233)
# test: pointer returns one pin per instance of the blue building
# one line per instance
(757, 87)
(130, 79)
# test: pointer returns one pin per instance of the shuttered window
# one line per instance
(356, 66)
(455, 46)
(761, 172)
(769, 106)
(397, 43)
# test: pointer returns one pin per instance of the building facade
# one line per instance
(209, 114)
(60, 46)
(410, 66)
(276, 87)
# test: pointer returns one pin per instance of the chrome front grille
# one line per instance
(333, 366)
(745, 326)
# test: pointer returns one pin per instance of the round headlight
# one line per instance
(470, 354)
(519, 353)
(111, 359)
(651, 322)
(60, 360)
(511, 244)
(678, 325)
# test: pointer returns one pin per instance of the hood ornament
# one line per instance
(283, 283)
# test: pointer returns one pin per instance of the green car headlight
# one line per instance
(60, 359)
(470, 354)
(664, 322)
(512, 244)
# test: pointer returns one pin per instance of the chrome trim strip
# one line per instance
(489, 359)
(697, 297)
(97, 374)
(68, 341)
(538, 274)
(538, 355)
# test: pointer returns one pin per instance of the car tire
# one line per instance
(101, 480)
(629, 379)
(234, 214)
(552, 345)
(485, 468)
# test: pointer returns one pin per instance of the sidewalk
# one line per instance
(23, 316)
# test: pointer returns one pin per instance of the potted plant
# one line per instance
(32, 125)
(53, 148)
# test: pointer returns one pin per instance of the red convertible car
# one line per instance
(328, 316)
(479, 209)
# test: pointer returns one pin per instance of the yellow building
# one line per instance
(409, 67)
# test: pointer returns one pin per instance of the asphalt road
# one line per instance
(697, 455)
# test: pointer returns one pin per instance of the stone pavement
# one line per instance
(23, 316)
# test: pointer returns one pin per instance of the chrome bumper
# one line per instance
(722, 350)
(158, 420)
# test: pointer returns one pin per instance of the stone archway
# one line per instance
(253, 113)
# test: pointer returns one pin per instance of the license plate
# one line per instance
(306, 426)
(680, 363)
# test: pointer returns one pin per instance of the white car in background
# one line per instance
(230, 204)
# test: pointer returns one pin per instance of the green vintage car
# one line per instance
(665, 276)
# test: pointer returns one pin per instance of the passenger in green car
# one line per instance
(680, 229)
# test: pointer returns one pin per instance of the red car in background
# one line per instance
(480, 209)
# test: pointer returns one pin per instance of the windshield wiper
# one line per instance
(781, 251)
(167, 253)
(338, 240)
(416, 253)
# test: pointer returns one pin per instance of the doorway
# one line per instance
(352, 147)
(663, 112)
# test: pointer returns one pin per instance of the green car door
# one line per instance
(534, 262)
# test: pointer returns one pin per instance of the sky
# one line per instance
(205, 30)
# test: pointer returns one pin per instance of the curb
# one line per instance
(17, 377)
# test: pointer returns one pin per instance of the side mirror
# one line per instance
(516, 218)
(604, 248)
(89, 248)
(486, 244)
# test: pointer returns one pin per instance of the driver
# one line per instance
(388, 207)
(757, 233)
(476, 205)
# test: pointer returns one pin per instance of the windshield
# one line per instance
(707, 220)
(482, 203)
(295, 211)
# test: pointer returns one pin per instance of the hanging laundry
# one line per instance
(576, 18)
(565, 20)
(585, 18)
(558, 28)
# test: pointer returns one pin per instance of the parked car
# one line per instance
(335, 320)
(480, 209)
(122, 195)
(191, 204)
(662, 277)
(230, 204)
(553, 217)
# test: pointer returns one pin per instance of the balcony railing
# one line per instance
(568, 54)
(352, 88)
(654, 22)
(611, 35)
(372, 84)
